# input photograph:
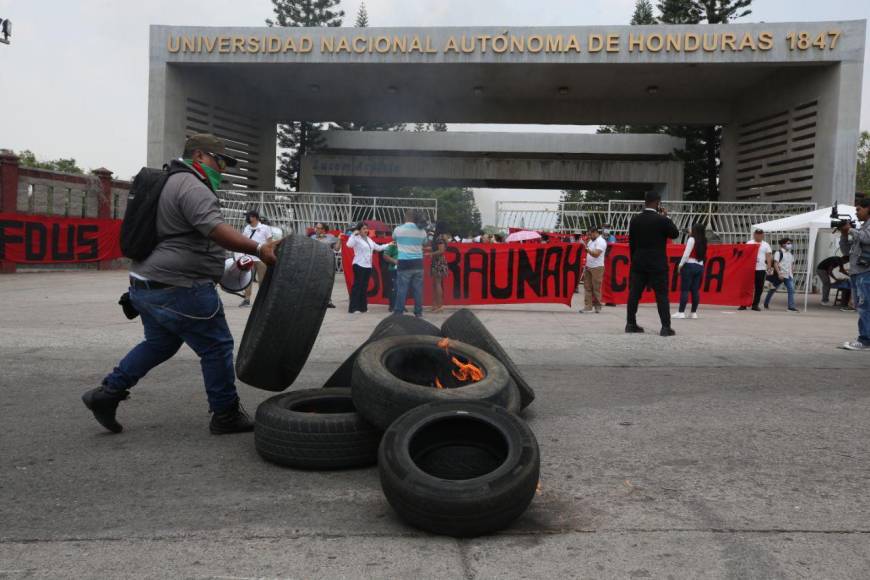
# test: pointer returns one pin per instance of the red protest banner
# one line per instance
(43, 239)
(488, 273)
(729, 274)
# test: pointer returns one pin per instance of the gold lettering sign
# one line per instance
(506, 43)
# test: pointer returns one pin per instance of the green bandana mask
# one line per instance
(214, 177)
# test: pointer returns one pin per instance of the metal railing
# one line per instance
(296, 212)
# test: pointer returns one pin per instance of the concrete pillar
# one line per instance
(268, 161)
(104, 204)
(8, 194)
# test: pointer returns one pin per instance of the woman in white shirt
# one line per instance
(692, 270)
(363, 248)
(260, 233)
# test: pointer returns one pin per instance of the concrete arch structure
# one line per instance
(787, 94)
(510, 160)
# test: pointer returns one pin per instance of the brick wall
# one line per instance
(38, 191)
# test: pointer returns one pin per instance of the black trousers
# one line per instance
(658, 281)
(358, 292)
(759, 286)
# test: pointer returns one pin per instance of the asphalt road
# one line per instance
(737, 449)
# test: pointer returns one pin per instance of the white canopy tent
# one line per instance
(812, 221)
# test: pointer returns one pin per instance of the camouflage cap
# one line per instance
(210, 144)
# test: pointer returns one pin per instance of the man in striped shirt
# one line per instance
(409, 238)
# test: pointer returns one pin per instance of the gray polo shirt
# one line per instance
(187, 213)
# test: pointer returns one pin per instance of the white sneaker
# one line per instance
(855, 345)
(679, 315)
(590, 311)
(826, 302)
(693, 315)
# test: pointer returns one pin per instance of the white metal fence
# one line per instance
(296, 212)
(727, 222)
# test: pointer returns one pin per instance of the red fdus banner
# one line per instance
(488, 274)
(42, 239)
(729, 274)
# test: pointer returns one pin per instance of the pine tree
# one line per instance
(362, 16)
(719, 11)
(306, 13)
(679, 11)
(298, 137)
(643, 13)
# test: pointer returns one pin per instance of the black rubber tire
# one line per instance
(394, 325)
(381, 396)
(287, 314)
(463, 325)
(315, 429)
(459, 468)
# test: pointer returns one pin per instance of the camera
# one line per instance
(838, 220)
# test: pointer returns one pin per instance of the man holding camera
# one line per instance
(855, 242)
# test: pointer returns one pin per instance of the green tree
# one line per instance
(643, 13)
(457, 210)
(362, 16)
(27, 158)
(718, 11)
(862, 181)
(299, 137)
(679, 11)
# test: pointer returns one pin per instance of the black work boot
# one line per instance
(233, 420)
(103, 405)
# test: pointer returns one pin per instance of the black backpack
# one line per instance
(139, 228)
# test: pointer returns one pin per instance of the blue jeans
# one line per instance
(861, 285)
(409, 281)
(789, 287)
(690, 282)
(171, 317)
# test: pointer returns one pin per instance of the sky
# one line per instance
(74, 81)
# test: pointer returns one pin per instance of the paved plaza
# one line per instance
(737, 449)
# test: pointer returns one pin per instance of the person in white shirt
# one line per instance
(691, 270)
(260, 233)
(593, 273)
(762, 263)
(783, 273)
(363, 248)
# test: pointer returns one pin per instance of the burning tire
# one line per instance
(459, 468)
(286, 315)
(315, 429)
(466, 327)
(393, 375)
(389, 326)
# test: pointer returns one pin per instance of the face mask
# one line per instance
(788, 246)
(214, 177)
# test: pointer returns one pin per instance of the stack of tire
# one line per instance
(457, 460)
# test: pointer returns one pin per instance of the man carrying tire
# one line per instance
(410, 238)
(173, 289)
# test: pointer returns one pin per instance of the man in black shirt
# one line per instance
(648, 235)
